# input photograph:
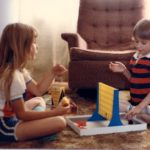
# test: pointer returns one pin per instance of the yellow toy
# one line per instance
(65, 101)
(57, 94)
(107, 105)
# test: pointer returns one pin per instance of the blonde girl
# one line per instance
(18, 120)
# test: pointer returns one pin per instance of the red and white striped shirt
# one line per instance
(140, 78)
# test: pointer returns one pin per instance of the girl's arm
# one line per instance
(40, 87)
(22, 114)
(137, 109)
(120, 67)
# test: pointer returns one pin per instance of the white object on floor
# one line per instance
(101, 127)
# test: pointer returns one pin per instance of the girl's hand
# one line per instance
(74, 107)
(133, 112)
(61, 110)
(117, 67)
(67, 101)
(59, 70)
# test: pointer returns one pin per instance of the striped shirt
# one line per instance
(140, 78)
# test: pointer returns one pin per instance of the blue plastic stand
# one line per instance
(115, 120)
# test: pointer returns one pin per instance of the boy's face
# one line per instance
(142, 45)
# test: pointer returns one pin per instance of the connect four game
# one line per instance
(107, 105)
(106, 118)
(106, 94)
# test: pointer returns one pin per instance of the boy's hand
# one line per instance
(133, 112)
(117, 67)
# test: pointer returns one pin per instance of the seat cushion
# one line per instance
(88, 54)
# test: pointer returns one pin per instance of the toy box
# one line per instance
(83, 127)
(106, 118)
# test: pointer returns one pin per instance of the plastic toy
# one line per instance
(107, 105)
(57, 93)
(65, 101)
(106, 119)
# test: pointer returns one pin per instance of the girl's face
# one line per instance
(33, 50)
(143, 46)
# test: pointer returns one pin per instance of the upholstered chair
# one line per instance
(104, 33)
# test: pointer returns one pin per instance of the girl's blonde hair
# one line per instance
(15, 45)
(142, 29)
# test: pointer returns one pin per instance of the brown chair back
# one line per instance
(108, 24)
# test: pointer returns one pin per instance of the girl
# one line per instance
(139, 74)
(18, 120)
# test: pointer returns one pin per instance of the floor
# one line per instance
(68, 139)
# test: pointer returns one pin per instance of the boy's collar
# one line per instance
(136, 55)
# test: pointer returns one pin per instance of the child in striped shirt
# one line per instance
(138, 75)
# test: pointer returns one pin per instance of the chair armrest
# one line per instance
(74, 40)
(77, 54)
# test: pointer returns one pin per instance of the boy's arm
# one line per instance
(120, 67)
(137, 109)
(127, 74)
(145, 102)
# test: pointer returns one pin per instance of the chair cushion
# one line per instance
(88, 54)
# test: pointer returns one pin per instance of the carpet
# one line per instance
(68, 139)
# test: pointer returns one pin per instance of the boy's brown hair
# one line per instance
(142, 29)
